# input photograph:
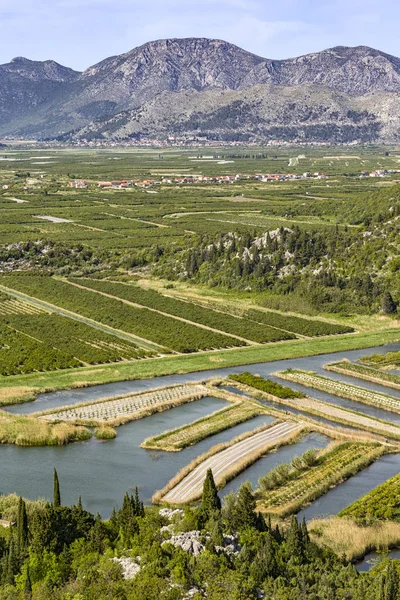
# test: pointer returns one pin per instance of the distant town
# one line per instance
(81, 184)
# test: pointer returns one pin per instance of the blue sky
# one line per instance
(79, 33)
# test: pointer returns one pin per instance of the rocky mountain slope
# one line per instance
(199, 86)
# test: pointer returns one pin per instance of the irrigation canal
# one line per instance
(101, 472)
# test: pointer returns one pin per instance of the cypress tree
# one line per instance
(22, 525)
(210, 500)
(294, 540)
(28, 585)
(388, 304)
(56, 491)
(245, 515)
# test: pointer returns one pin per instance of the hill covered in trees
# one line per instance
(51, 551)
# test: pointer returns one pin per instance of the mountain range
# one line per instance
(206, 88)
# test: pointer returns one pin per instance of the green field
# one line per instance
(95, 280)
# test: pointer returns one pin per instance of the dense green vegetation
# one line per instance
(307, 327)
(217, 320)
(166, 331)
(290, 487)
(266, 385)
(20, 353)
(382, 360)
(382, 503)
(70, 338)
(60, 552)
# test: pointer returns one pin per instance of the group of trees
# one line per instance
(334, 269)
(65, 553)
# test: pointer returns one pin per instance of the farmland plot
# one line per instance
(345, 390)
(148, 325)
(128, 408)
(306, 327)
(227, 462)
(226, 323)
(382, 503)
(362, 372)
(180, 438)
(20, 353)
(331, 468)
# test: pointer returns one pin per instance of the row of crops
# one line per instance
(345, 390)
(266, 385)
(163, 330)
(304, 486)
(382, 360)
(75, 339)
(307, 327)
(382, 503)
(128, 407)
(366, 373)
(244, 328)
(188, 435)
(20, 353)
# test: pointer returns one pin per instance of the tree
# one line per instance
(28, 585)
(22, 526)
(56, 491)
(388, 304)
(392, 582)
(245, 515)
(210, 500)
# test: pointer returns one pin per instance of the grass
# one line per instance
(23, 388)
(345, 536)
(188, 435)
(335, 464)
(9, 506)
(29, 431)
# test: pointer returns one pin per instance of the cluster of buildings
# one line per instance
(190, 179)
(379, 173)
(80, 184)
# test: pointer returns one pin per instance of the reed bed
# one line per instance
(344, 390)
(105, 433)
(176, 439)
(334, 465)
(345, 536)
(345, 367)
(28, 431)
(16, 395)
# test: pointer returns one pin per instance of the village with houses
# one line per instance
(196, 179)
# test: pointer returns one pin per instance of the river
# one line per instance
(101, 472)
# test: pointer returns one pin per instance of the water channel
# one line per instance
(101, 472)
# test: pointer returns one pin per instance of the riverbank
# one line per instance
(25, 388)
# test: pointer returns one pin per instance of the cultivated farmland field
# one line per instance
(127, 408)
(345, 390)
(332, 466)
